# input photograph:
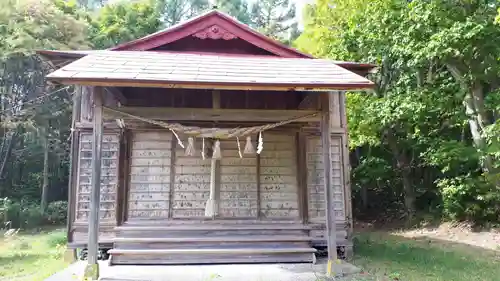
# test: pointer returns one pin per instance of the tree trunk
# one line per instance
(9, 141)
(364, 187)
(476, 113)
(403, 165)
(478, 120)
(45, 183)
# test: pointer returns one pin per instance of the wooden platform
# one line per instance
(212, 244)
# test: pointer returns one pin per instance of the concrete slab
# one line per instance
(230, 272)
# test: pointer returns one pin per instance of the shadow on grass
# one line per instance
(19, 258)
(398, 258)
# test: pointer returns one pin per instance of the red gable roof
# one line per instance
(211, 25)
(221, 35)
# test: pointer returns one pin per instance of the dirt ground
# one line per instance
(461, 233)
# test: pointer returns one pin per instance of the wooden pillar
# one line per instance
(92, 269)
(73, 167)
(326, 113)
(346, 166)
(212, 208)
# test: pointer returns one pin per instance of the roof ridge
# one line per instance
(221, 15)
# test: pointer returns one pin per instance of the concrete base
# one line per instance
(91, 272)
(235, 272)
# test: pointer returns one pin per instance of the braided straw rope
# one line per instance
(217, 133)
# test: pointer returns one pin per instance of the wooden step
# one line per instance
(201, 227)
(211, 256)
(233, 259)
(154, 252)
(214, 254)
(241, 238)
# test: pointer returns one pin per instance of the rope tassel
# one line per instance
(203, 148)
(239, 148)
(211, 208)
(249, 146)
(217, 154)
(260, 145)
(190, 150)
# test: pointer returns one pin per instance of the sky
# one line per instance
(299, 4)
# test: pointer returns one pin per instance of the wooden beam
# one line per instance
(346, 173)
(310, 101)
(73, 167)
(302, 176)
(123, 172)
(173, 152)
(73, 160)
(214, 167)
(212, 85)
(115, 92)
(216, 99)
(326, 139)
(215, 114)
(92, 269)
(86, 104)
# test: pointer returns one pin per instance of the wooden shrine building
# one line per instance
(208, 142)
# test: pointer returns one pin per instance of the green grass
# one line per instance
(31, 257)
(389, 257)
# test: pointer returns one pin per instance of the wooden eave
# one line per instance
(167, 70)
(71, 55)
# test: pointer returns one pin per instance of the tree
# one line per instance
(235, 8)
(124, 21)
(174, 11)
(415, 121)
(28, 25)
(463, 37)
(29, 107)
(274, 18)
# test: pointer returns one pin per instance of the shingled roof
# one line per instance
(160, 69)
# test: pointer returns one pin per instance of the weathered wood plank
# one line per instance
(149, 187)
(108, 175)
(94, 205)
(151, 144)
(191, 184)
(149, 177)
(278, 177)
(326, 140)
(316, 178)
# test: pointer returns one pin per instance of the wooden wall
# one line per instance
(191, 183)
(315, 179)
(163, 183)
(238, 182)
(278, 177)
(109, 182)
(150, 170)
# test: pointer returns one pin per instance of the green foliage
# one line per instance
(26, 215)
(236, 8)
(434, 57)
(275, 18)
(174, 11)
(28, 25)
(56, 212)
(31, 108)
(120, 22)
(56, 239)
(28, 256)
(20, 214)
(470, 198)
